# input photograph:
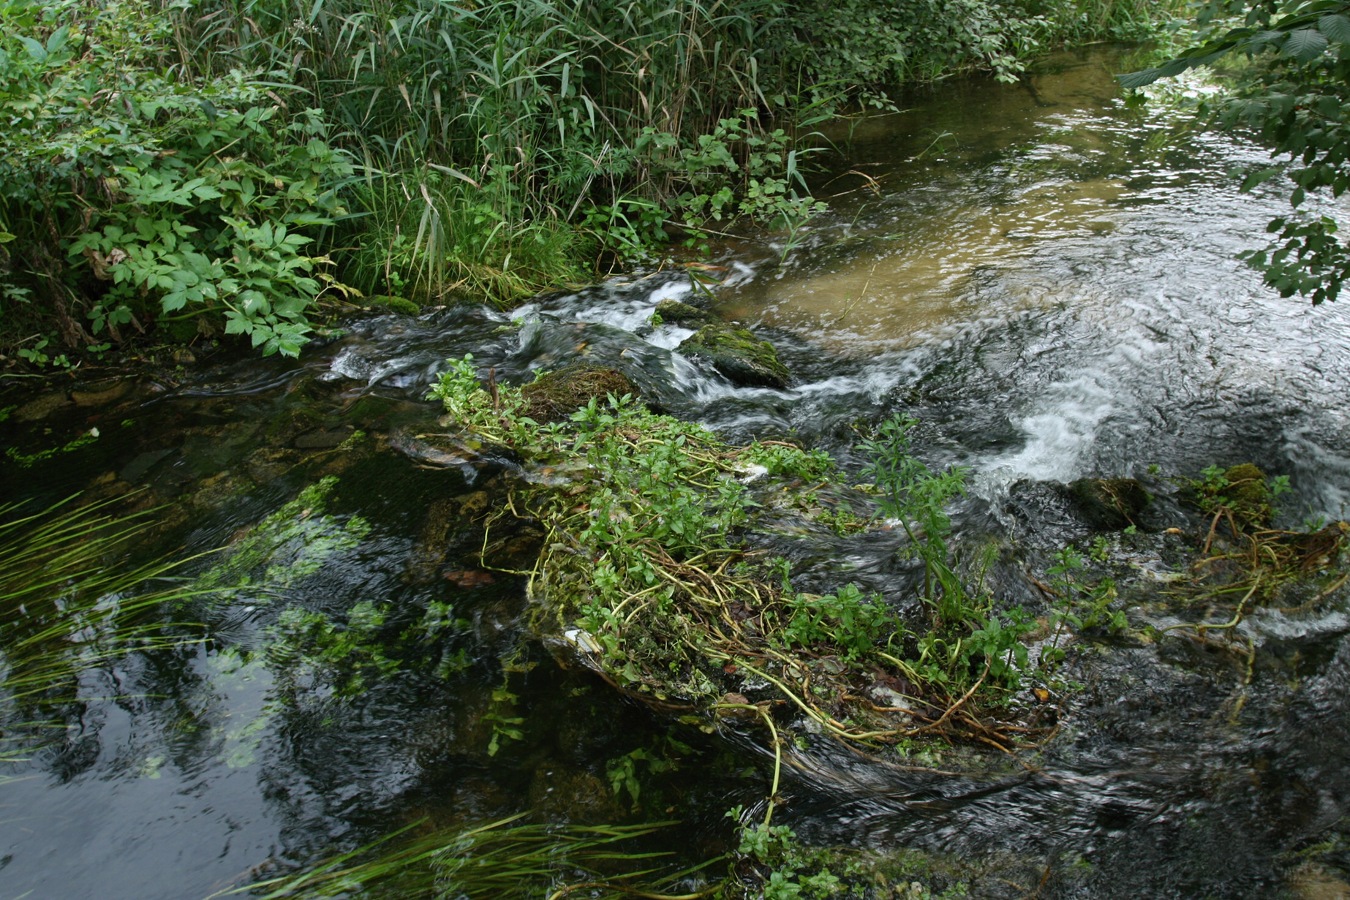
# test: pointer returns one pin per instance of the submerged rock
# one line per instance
(739, 355)
(1109, 504)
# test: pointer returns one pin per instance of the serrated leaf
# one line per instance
(1335, 27)
(1304, 45)
(1263, 39)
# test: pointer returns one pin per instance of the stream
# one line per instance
(1043, 274)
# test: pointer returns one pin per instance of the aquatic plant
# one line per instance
(70, 604)
(1245, 560)
(507, 858)
(644, 575)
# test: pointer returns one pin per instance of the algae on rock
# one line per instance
(739, 355)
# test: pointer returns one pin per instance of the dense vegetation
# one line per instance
(206, 166)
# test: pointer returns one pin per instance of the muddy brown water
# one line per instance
(1042, 273)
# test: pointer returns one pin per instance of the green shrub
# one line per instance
(137, 193)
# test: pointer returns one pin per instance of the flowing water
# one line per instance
(1042, 273)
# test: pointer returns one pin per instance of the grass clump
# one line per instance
(644, 576)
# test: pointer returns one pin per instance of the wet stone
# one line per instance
(41, 407)
(572, 795)
(323, 438)
(1109, 504)
(673, 312)
(135, 470)
(738, 355)
(555, 396)
(101, 393)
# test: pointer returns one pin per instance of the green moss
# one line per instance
(1242, 490)
(738, 355)
(1248, 494)
(393, 304)
(556, 395)
(674, 312)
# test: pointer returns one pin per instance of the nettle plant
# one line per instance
(135, 192)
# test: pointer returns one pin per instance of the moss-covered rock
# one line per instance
(673, 312)
(555, 396)
(739, 355)
(393, 304)
(1109, 504)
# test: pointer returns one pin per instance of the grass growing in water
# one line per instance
(502, 859)
(645, 577)
(68, 607)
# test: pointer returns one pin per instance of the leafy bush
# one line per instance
(134, 192)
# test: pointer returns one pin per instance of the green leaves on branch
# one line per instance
(1296, 97)
(137, 193)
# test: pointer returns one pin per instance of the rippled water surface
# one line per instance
(1044, 275)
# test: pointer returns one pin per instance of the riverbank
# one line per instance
(216, 175)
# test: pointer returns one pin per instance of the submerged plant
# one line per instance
(72, 604)
(507, 858)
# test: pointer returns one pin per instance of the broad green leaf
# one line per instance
(1304, 45)
(58, 39)
(1260, 177)
(1335, 27)
(34, 48)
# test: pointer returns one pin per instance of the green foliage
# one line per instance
(1078, 605)
(27, 460)
(242, 163)
(138, 192)
(643, 573)
(313, 653)
(625, 773)
(848, 620)
(291, 544)
(917, 498)
(71, 605)
(1241, 492)
(784, 867)
(506, 723)
(502, 859)
(1294, 97)
(790, 461)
